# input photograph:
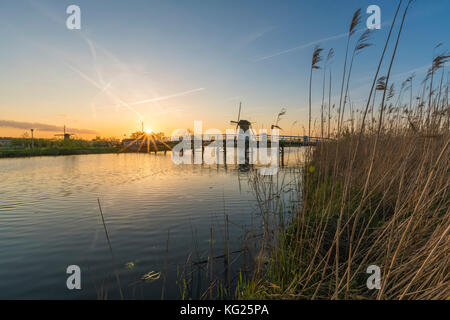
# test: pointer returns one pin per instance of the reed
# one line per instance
(374, 196)
(330, 56)
(165, 266)
(113, 259)
(316, 58)
(401, 223)
(356, 19)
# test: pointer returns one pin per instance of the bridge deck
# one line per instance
(284, 141)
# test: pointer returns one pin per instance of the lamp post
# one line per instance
(32, 138)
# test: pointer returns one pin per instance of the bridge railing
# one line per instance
(260, 137)
(281, 138)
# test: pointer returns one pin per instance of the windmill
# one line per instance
(280, 114)
(241, 124)
(65, 134)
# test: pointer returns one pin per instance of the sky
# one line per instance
(168, 63)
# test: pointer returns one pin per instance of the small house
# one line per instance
(5, 141)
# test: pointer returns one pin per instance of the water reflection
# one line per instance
(49, 220)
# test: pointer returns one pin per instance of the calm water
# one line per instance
(49, 219)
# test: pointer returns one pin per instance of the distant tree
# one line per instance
(137, 135)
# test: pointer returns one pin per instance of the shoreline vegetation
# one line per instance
(139, 142)
(25, 147)
(41, 152)
(22, 147)
(376, 195)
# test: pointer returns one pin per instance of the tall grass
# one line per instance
(374, 196)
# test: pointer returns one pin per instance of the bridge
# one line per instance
(284, 141)
(225, 142)
(299, 141)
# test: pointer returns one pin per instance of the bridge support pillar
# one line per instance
(225, 150)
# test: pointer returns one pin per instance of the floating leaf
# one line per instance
(129, 265)
(152, 275)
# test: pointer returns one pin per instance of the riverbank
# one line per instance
(26, 147)
(11, 152)
(370, 201)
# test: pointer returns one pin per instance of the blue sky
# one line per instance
(180, 61)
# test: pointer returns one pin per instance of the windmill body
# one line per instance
(244, 125)
(65, 134)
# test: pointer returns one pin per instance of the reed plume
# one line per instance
(316, 58)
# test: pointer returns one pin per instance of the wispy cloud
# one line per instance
(41, 127)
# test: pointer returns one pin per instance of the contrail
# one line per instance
(303, 46)
(166, 97)
(310, 44)
(102, 88)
